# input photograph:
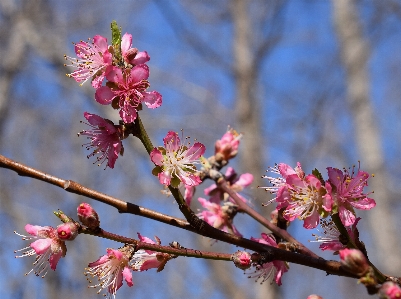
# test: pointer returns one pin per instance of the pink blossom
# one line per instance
(127, 90)
(93, 60)
(88, 216)
(242, 259)
(354, 261)
(131, 55)
(105, 138)
(144, 260)
(390, 290)
(48, 248)
(67, 231)
(236, 183)
(220, 217)
(273, 269)
(111, 268)
(347, 193)
(300, 196)
(331, 239)
(227, 146)
(175, 162)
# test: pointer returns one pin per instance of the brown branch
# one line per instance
(331, 267)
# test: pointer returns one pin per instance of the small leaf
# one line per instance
(156, 170)
(115, 35)
(318, 175)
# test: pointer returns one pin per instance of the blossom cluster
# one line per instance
(309, 197)
(119, 74)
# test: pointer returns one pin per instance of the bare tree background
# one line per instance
(303, 80)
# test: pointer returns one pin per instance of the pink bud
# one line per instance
(313, 296)
(242, 259)
(88, 216)
(390, 290)
(67, 231)
(227, 146)
(354, 261)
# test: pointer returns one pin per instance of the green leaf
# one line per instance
(115, 35)
(319, 176)
(156, 170)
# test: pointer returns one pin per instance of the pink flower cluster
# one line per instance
(175, 162)
(308, 197)
(118, 264)
(126, 73)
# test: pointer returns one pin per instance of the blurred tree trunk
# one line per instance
(355, 55)
(247, 106)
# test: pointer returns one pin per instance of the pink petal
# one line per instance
(112, 154)
(114, 74)
(364, 204)
(100, 261)
(101, 43)
(285, 170)
(152, 99)
(97, 81)
(196, 151)
(156, 157)
(41, 246)
(149, 264)
(126, 43)
(335, 176)
(128, 113)
(139, 72)
(104, 95)
(210, 189)
(53, 260)
(140, 58)
(127, 274)
(172, 141)
(346, 216)
(145, 239)
(164, 178)
(190, 180)
(33, 229)
(245, 180)
(312, 221)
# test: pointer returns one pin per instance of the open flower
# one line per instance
(301, 196)
(144, 260)
(127, 90)
(175, 162)
(220, 217)
(111, 268)
(48, 248)
(273, 269)
(93, 60)
(346, 192)
(105, 138)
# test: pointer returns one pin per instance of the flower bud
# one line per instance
(241, 259)
(67, 231)
(313, 296)
(227, 146)
(354, 261)
(88, 216)
(390, 290)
